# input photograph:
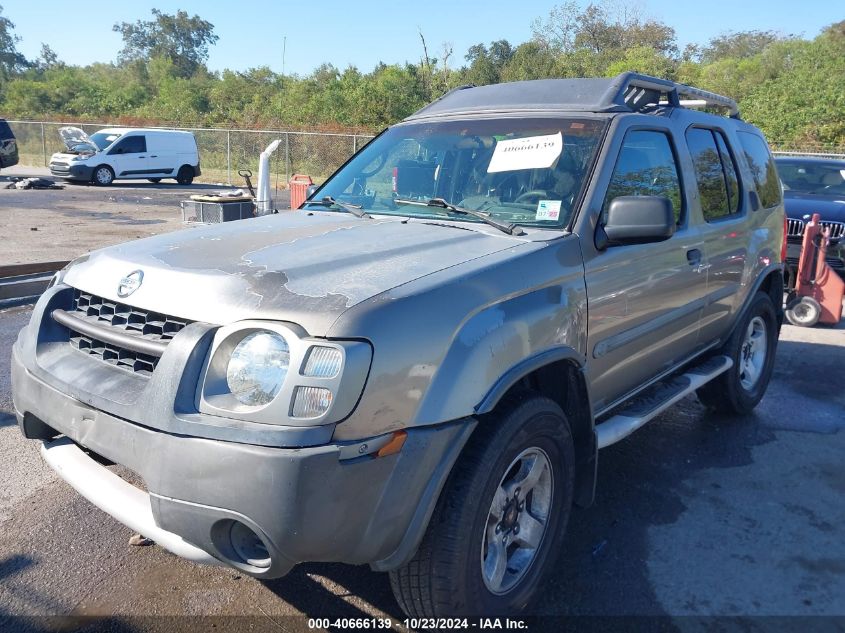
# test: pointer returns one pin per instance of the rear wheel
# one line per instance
(804, 312)
(103, 175)
(185, 175)
(752, 349)
(500, 519)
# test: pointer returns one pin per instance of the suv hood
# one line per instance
(830, 208)
(301, 266)
(77, 141)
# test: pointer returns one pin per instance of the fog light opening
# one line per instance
(248, 546)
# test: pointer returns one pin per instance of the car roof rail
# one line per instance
(641, 92)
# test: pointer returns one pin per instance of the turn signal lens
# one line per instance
(323, 362)
(310, 402)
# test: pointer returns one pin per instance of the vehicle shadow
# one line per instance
(602, 570)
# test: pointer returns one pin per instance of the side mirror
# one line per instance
(310, 191)
(639, 219)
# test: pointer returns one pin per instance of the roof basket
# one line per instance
(640, 92)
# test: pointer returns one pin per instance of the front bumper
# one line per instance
(318, 503)
(72, 172)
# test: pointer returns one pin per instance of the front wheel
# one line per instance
(500, 519)
(103, 175)
(752, 348)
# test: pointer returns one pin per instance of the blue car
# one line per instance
(814, 185)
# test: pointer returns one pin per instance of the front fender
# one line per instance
(500, 344)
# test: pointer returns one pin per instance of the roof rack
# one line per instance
(627, 92)
(639, 92)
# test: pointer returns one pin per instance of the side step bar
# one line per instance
(657, 399)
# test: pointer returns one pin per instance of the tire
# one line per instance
(103, 176)
(453, 572)
(752, 348)
(155, 181)
(185, 175)
(804, 313)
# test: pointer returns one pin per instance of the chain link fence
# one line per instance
(222, 152)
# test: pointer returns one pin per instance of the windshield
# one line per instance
(808, 176)
(522, 171)
(102, 140)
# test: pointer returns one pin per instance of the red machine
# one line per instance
(817, 295)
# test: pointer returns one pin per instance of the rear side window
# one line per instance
(130, 145)
(762, 167)
(715, 173)
(646, 167)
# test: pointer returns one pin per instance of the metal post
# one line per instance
(287, 157)
(354, 143)
(228, 158)
(43, 144)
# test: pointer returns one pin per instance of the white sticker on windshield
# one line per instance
(531, 152)
(548, 210)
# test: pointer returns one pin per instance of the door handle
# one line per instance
(154, 156)
(142, 157)
(694, 257)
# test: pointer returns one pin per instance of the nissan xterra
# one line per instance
(416, 369)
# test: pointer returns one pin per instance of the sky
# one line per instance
(363, 32)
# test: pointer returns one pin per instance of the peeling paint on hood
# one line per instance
(303, 267)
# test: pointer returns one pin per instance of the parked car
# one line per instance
(8, 146)
(814, 185)
(417, 368)
(126, 154)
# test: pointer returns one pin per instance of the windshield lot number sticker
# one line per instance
(531, 152)
(548, 210)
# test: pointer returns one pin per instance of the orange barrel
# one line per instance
(299, 184)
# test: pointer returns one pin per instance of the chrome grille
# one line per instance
(795, 228)
(837, 229)
(135, 321)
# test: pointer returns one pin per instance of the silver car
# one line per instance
(416, 369)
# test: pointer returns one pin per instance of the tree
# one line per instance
(11, 61)
(486, 65)
(182, 39)
(739, 45)
(47, 59)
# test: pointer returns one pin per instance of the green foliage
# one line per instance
(793, 89)
(181, 39)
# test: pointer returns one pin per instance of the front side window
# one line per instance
(646, 167)
(130, 145)
(516, 170)
(715, 173)
(762, 167)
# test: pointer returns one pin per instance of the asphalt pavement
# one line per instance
(696, 515)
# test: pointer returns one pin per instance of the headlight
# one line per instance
(82, 157)
(257, 368)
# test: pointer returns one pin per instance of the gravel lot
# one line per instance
(54, 225)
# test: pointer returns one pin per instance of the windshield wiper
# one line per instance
(354, 209)
(440, 203)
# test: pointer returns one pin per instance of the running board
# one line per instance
(657, 399)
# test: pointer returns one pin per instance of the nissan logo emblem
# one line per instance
(130, 283)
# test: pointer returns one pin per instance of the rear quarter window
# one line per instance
(762, 167)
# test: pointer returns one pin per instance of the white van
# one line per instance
(126, 153)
